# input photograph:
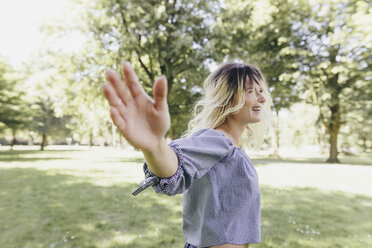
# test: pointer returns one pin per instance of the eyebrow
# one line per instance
(260, 87)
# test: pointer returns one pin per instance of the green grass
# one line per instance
(76, 198)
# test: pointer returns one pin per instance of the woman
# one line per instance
(221, 196)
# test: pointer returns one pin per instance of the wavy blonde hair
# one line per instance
(226, 83)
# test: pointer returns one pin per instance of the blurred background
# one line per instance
(315, 55)
(316, 58)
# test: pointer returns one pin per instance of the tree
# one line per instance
(47, 96)
(337, 62)
(357, 130)
(322, 50)
(262, 31)
(79, 73)
(157, 37)
(47, 123)
(11, 103)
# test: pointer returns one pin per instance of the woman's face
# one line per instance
(254, 100)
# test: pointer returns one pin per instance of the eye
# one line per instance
(261, 90)
(249, 90)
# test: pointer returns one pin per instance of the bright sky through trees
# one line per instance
(20, 21)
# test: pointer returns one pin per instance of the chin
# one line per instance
(254, 117)
(254, 121)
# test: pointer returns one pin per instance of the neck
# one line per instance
(233, 131)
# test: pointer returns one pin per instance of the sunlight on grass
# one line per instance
(310, 218)
(327, 177)
(88, 227)
(117, 239)
(114, 167)
(82, 198)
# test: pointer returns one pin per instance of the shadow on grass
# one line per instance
(26, 152)
(308, 217)
(37, 155)
(41, 209)
(34, 155)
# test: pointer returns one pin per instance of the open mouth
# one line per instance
(257, 109)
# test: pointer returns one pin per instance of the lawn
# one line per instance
(82, 198)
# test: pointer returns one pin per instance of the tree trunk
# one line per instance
(91, 138)
(44, 142)
(333, 129)
(276, 141)
(364, 139)
(13, 139)
(333, 148)
(30, 139)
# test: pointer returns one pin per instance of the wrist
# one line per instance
(156, 148)
(161, 159)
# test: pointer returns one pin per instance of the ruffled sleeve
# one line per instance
(196, 156)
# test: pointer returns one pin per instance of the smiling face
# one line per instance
(229, 95)
(254, 100)
(236, 100)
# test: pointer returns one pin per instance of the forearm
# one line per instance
(161, 160)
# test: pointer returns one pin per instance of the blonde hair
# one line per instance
(221, 88)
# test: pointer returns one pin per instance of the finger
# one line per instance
(131, 80)
(160, 90)
(113, 98)
(118, 120)
(120, 88)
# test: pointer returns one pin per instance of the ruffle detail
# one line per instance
(168, 186)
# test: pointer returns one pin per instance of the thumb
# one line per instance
(160, 90)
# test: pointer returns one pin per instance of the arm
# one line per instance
(142, 121)
(162, 161)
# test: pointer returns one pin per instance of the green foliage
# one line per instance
(158, 37)
(10, 99)
(262, 33)
(47, 96)
(85, 104)
(357, 132)
(337, 66)
(45, 120)
(297, 125)
(319, 52)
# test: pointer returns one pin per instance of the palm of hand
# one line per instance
(142, 121)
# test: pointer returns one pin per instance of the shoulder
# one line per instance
(207, 137)
(202, 150)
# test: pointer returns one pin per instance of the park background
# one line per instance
(66, 174)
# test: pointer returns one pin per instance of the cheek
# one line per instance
(248, 102)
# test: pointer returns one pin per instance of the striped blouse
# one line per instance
(221, 195)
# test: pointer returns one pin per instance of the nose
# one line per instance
(260, 98)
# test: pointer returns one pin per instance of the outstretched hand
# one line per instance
(141, 120)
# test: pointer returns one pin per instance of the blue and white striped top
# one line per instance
(221, 195)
